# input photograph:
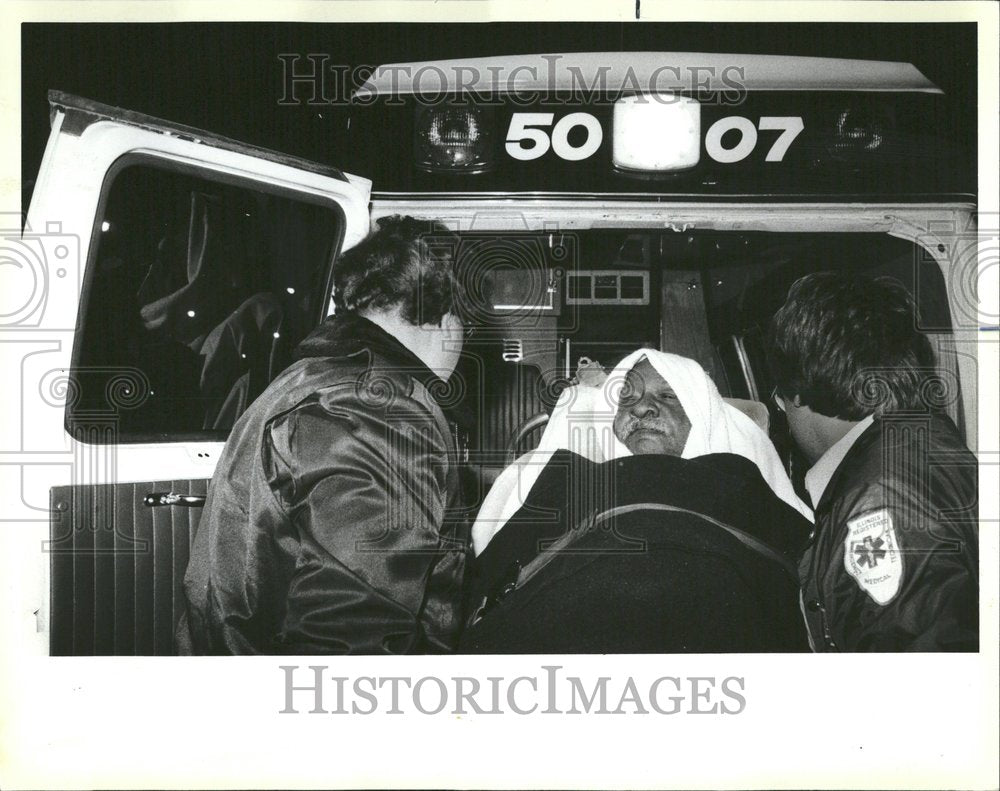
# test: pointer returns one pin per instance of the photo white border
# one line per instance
(923, 721)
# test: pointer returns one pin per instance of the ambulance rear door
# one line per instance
(168, 275)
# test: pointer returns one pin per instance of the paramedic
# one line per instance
(326, 525)
(893, 564)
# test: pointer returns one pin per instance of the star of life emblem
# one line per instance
(872, 556)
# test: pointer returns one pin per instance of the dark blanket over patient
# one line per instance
(651, 553)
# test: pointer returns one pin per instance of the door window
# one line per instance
(198, 289)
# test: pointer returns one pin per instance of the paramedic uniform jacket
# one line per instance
(324, 529)
(895, 561)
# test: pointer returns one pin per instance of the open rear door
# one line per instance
(180, 270)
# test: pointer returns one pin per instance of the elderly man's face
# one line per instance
(650, 419)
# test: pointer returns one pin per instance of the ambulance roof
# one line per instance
(625, 70)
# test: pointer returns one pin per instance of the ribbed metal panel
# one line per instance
(118, 568)
(516, 399)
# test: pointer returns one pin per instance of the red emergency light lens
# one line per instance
(860, 130)
(454, 139)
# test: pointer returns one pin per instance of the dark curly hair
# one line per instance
(849, 346)
(406, 263)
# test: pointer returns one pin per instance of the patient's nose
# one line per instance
(645, 407)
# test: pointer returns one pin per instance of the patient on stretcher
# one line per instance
(653, 517)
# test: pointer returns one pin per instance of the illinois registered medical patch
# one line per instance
(872, 556)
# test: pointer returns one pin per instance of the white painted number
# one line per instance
(789, 126)
(748, 139)
(560, 136)
(521, 130)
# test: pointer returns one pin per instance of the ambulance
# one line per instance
(600, 202)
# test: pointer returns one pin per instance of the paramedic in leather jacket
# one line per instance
(894, 562)
(326, 528)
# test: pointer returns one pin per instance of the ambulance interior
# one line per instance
(215, 283)
(555, 305)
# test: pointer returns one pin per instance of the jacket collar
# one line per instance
(878, 435)
(348, 334)
(860, 445)
(821, 473)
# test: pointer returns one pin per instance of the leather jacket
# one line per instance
(894, 563)
(332, 523)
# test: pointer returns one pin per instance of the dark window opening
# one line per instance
(197, 292)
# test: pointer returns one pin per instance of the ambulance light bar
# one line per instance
(454, 139)
(656, 133)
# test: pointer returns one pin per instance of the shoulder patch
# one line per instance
(872, 556)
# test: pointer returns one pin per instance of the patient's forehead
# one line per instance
(644, 372)
(642, 377)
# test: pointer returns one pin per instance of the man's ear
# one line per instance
(449, 314)
(797, 401)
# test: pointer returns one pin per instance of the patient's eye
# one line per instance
(631, 392)
(667, 395)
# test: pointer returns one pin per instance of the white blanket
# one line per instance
(582, 422)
